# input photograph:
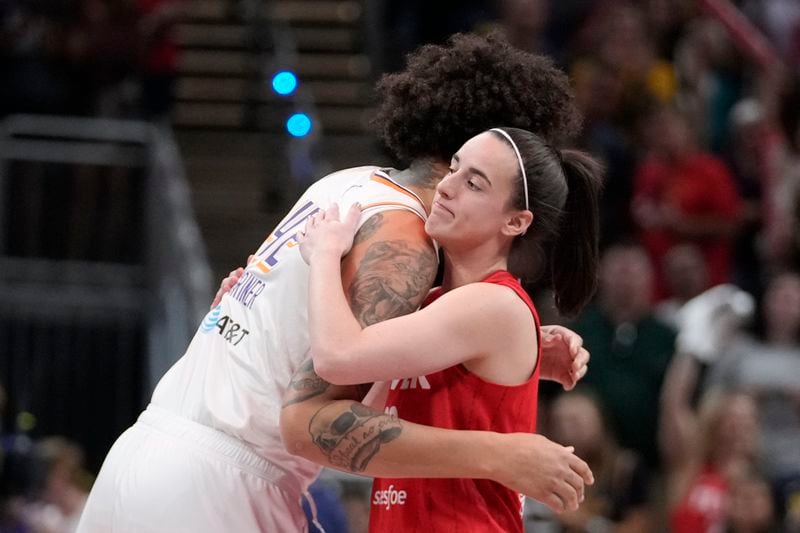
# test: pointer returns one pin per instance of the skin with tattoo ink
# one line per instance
(351, 439)
(390, 280)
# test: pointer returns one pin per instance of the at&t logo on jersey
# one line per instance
(231, 331)
(210, 321)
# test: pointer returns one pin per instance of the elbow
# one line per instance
(333, 366)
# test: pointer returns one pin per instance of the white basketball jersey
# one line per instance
(233, 375)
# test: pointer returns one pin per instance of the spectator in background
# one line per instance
(768, 367)
(682, 194)
(101, 52)
(685, 277)
(753, 143)
(630, 348)
(618, 500)
(710, 72)
(618, 67)
(600, 94)
(618, 34)
(751, 508)
(780, 20)
(702, 450)
(524, 23)
(158, 61)
(59, 487)
(783, 239)
(35, 67)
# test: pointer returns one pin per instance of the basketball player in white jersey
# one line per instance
(207, 454)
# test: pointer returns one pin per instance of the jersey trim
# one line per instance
(383, 178)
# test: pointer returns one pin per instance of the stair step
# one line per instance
(212, 35)
(302, 11)
(315, 11)
(326, 38)
(229, 145)
(238, 36)
(270, 118)
(346, 66)
(325, 92)
(247, 64)
(214, 115)
(209, 10)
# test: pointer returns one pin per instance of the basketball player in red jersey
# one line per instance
(470, 358)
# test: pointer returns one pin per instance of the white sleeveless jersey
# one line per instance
(233, 375)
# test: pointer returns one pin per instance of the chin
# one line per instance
(432, 229)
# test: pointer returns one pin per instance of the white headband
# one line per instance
(521, 165)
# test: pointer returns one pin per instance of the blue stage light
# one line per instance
(284, 82)
(299, 125)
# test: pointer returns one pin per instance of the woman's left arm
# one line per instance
(462, 325)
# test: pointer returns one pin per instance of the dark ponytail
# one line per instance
(575, 254)
(563, 191)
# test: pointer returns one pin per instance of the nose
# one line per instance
(445, 187)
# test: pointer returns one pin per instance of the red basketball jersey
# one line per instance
(456, 398)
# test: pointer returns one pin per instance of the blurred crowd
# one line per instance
(43, 482)
(108, 58)
(690, 413)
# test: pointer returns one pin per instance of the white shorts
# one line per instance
(169, 474)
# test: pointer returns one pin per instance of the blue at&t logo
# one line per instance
(211, 319)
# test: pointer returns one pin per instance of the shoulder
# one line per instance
(487, 303)
(397, 236)
(364, 170)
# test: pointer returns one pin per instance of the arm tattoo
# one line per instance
(351, 438)
(304, 385)
(391, 280)
(368, 228)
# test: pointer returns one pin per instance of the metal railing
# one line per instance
(103, 272)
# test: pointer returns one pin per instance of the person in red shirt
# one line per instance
(469, 359)
(158, 61)
(703, 450)
(683, 195)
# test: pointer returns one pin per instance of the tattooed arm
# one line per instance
(322, 423)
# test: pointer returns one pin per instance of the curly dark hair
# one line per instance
(449, 93)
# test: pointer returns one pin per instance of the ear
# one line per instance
(518, 223)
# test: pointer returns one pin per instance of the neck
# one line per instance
(462, 268)
(422, 177)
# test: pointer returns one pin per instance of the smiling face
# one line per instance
(472, 203)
